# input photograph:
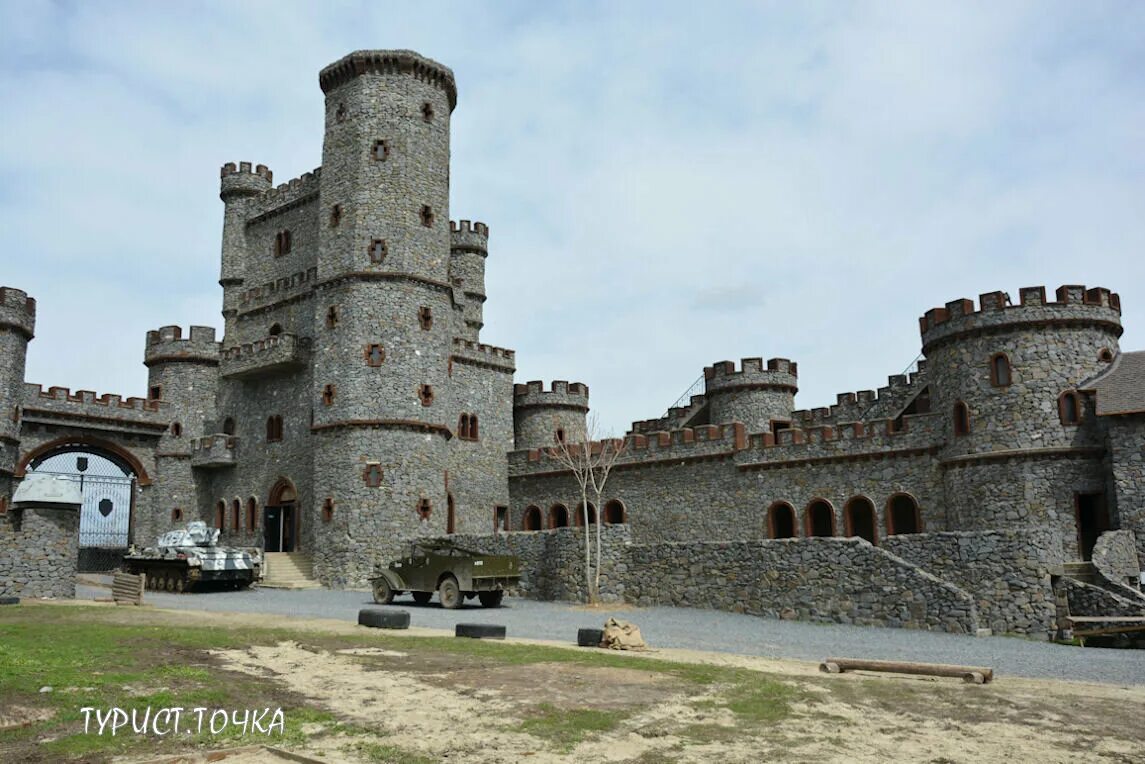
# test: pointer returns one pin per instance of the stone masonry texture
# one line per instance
(351, 393)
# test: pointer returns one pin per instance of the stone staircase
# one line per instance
(288, 570)
(1081, 571)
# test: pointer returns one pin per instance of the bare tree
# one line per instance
(590, 463)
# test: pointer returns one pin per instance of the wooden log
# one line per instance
(127, 589)
(971, 674)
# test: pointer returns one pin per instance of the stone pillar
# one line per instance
(39, 539)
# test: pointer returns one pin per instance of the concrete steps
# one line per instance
(288, 570)
(1081, 571)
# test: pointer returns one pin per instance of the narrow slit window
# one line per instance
(1069, 407)
(328, 395)
(335, 215)
(327, 510)
(961, 419)
(331, 316)
(425, 393)
(427, 111)
(378, 250)
(1000, 372)
(426, 215)
(425, 317)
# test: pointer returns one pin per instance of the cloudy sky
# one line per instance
(667, 184)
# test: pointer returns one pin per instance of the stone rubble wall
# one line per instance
(1089, 600)
(1007, 572)
(38, 553)
(1115, 557)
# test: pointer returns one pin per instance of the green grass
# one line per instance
(381, 753)
(565, 728)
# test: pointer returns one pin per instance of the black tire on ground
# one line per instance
(479, 631)
(377, 618)
(383, 592)
(491, 599)
(449, 594)
(589, 637)
(422, 598)
(9, 600)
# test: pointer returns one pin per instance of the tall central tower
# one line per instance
(383, 308)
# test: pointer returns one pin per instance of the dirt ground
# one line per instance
(441, 706)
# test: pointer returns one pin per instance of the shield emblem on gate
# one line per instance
(105, 507)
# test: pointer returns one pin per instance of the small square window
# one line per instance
(375, 355)
(424, 508)
(282, 243)
(427, 111)
(340, 114)
(155, 392)
(426, 215)
(373, 475)
(378, 250)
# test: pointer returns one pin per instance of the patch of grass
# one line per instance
(710, 733)
(565, 728)
(380, 753)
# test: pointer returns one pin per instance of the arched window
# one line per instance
(473, 426)
(1069, 408)
(373, 475)
(463, 427)
(560, 435)
(615, 513)
(961, 419)
(221, 515)
(532, 519)
(176, 430)
(580, 514)
(859, 519)
(781, 521)
(251, 514)
(177, 515)
(820, 518)
(450, 514)
(1105, 355)
(999, 370)
(275, 329)
(274, 428)
(903, 515)
(558, 516)
(236, 512)
(229, 426)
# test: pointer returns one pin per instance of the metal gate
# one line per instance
(105, 515)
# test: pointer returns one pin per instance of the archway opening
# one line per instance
(781, 521)
(903, 515)
(107, 482)
(280, 518)
(580, 514)
(532, 520)
(820, 519)
(450, 514)
(860, 519)
(615, 513)
(558, 516)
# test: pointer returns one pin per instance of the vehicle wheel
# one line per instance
(491, 599)
(479, 631)
(383, 593)
(180, 584)
(383, 619)
(422, 598)
(449, 594)
(169, 582)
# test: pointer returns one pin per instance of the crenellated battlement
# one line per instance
(285, 196)
(241, 180)
(17, 311)
(1074, 304)
(778, 373)
(853, 406)
(271, 291)
(562, 394)
(480, 354)
(407, 62)
(468, 237)
(34, 393)
(167, 344)
(269, 355)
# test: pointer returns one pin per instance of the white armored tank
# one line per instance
(189, 556)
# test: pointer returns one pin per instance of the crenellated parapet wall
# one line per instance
(285, 196)
(17, 312)
(59, 405)
(1074, 305)
(543, 417)
(168, 345)
(269, 355)
(388, 62)
(756, 393)
(867, 404)
(241, 180)
(487, 356)
(465, 236)
(676, 417)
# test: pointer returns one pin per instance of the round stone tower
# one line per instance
(182, 376)
(542, 418)
(381, 383)
(754, 395)
(469, 246)
(17, 326)
(1021, 445)
(238, 186)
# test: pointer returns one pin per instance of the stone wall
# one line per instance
(38, 552)
(1127, 447)
(1089, 600)
(1115, 557)
(821, 579)
(1007, 572)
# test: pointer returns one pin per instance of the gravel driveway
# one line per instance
(697, 630)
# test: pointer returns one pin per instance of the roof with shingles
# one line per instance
(1121, 388)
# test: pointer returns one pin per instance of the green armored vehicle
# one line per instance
(454, 573)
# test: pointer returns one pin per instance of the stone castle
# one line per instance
(351, 404)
